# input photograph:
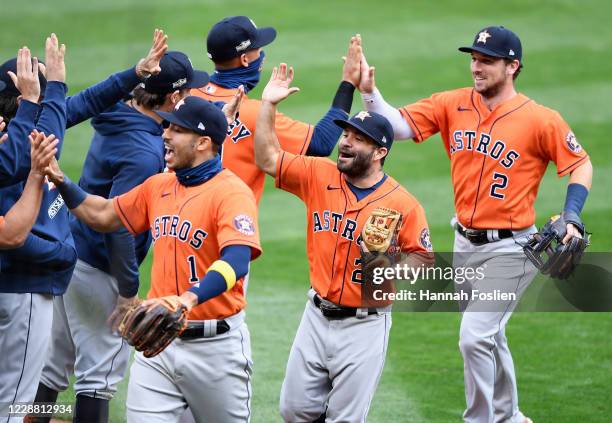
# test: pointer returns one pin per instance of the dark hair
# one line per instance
(516, 74)
(147, 99)
(8, 107)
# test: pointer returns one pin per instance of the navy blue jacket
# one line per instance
(126, 149)
(44, 264)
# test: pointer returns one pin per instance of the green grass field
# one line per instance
(563, 360)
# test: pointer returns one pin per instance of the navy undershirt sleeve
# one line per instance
(213, 283)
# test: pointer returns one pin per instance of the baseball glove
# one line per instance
(151, 326)
(560, 259)
(380, 238)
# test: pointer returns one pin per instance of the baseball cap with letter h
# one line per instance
(372, 125)
(234, 35)
(200, 116)
(497, 41)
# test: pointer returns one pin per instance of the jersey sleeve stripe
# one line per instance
(306, 141)
(123, 217)
(572, 166)
(412, 123)
(280, 171)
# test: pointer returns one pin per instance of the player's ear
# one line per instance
(175, 97)
(380, 152)
(204, 143)
(512, 67)
(244, 61)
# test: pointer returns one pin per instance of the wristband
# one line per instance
(72, 194)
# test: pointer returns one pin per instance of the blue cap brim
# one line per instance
(172, 118)
(264, 37)
(200, 78)
(482, 50)
(342, 123)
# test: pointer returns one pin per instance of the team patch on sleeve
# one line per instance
(572, 143)
(425, 239)
(244, 224)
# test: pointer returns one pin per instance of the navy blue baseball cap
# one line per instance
(234, 35)
(176, 73)
(7, 87)
(496, 41)
(371, 124)
(199, 115)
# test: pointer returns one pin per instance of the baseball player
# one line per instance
(235, 45)
(203, 221)
(41, 268)
(338, 352)
(499, 143)
(15, 226)
(127, 148)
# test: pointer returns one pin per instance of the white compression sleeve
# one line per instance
(375, 102)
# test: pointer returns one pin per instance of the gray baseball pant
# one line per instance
(489, 377)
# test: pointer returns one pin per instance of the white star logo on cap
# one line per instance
(201, 126)
(384, 140)
(511, 52)
(362, 115)
(179, 104)
(482, 37)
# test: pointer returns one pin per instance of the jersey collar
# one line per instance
(501, 108)
(383, 190)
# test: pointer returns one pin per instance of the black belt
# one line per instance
(196, 330)
(334, 311)
(479, 236)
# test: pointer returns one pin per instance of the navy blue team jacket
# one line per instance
(44, 264)
(126, 149)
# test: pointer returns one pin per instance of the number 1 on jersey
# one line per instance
(193, 273)
(500, 181)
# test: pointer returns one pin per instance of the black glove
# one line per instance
(562, 258)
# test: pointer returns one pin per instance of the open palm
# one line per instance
(278, 88)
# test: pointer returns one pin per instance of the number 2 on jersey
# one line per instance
(500, 182)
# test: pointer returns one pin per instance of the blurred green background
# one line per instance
(563, 360)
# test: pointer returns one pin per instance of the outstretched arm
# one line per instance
(97, 212)
(267, 147)
(374, 102)
(94, 100)
(21, 217)
(326, 133)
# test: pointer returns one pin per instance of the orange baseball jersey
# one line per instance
(190, 226)
(335, 221)
(238, 153)
(498, 157)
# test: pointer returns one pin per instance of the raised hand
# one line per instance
(54, 173)
(366, 82)
(42, 151)
(149, 65)
(54, 59)
(351, 71)
(278, 88)
(26, 80)
(230, 110)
